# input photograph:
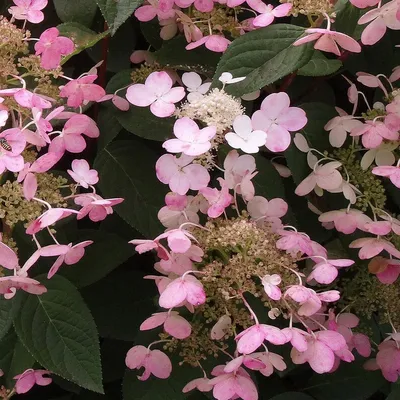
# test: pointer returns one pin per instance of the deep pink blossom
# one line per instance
(325, 272)
(149, 11)
(296, 337)
(373, 133)
(51, 47)
(387, 360)
(82, 174)
(390, 272)
(190, 139)
(216, 43)
(9, 284)
(29, 378)
(48, 218)
(180, 174)
(29, 10)
(12, 160)
(277, 119)
(158, 93)
(247, 360)
(179, 240)
(364, 3)
(154, 362)
(172, 322)
(95, 206)
(393, 173)
(82, 90)
(218, 200)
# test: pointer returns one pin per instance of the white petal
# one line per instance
(368, 159)
(192, 80)
(384, 157)
(301, 143)
(311, 159)
(242, 125)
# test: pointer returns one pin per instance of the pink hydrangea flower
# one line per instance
(248, 361)
(373, 133)
(364, 3)
(244, 137)
(173, 323)
(28, 379)
(95, 206)
(252, 338)
(277, 119)
(371, 247)
(237, 384)
(195, 86)
(382, 18)
(172, 216)
(390, 272)
(294, 242)
(149, 11)
(387, 360)
(327, 40)
(72, 256)
(9, 285)
(82, 174)
(270, 212)
(179, 240)
(158, 93)
(200, 5)
(184, 288)
(12, 160)
(82, 90)
(201, 384)
(51, 46)
(325, 272)
(180, 174)
(297, 338)
(154, 362)
(270, 283)
(48, 218)
(271, 361)
(29, 10)
(217, 199)
(268, 13)
(324, 177)
(71, 137)
(346, 221)
(393, 173)
(190, 139)
(216, 43)
(118, 101)
(222, 326)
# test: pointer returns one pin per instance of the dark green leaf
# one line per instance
(132, 303)
(117, 12)
(127, 170)
(395, 392)
(108, 125)
(319, 65)
(106, 253)
(263, 56)
(81, 11)
(292, 396)
(83, 37)
(6, 315)
(59, 331)
(346, 20)
(174, 55)
(151, 32)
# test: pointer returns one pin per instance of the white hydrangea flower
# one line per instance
(227, 78)
(244, 137)
(195, 86)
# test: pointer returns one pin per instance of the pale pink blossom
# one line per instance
(216, 43)
(154, 362)
(221, 328)
(244, 137)
(29, 10)
(190, 30)
(294, 242)
(393, 173)
(380, 19)
(72, 256)
(184, 288)
(28, 379)
(200, 5)
(95, 206)
(270, 212)
(233, 385)
(51, 46)
(277, 119)
(327, 40)
(12, 160)
(296, 337)
(218, 200)
(346, 220)
(82, 174)
(179, 263)
(118, 101)
(268, 13)
(201, 384)
(247, 360)
(364, 3)
(270, 283)
(158, 93)
(179, 240)
(325, 272)
(48, 218)
(180, 174)
(195, 86)
(173, 215)
(324, 177)
(387, 360)
(373, 133)
(382, 155)
(190, 139)
(172, 322)
(149, 11)
(371, 247)
(82, 90)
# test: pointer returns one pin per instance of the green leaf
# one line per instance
(81, 11)
(108, 125)
(319, 65)
(59, 331)
(267, 182)
(83, 37)
(106, 253)
(347, 18)
(174, 55)
(350, 382)
(6, 315)
(132, 302)
(127, 170)
(263, 56)
(117, 12)
(292, 396)
(395, 392)
(14, 357)
(151, 32)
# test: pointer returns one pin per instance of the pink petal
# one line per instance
(177, 327)
(154, 321)
(159, 364)
(278, 139)
(136, 356)
(322, 358)
(140, 95)
(8, 259)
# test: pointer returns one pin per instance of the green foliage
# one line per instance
(127, 170)
(108, 125)
(58, 330)
(292, 396)
(319, 65)
(263, 56)
(81, 11)
(6, 316)
(117, 12)
(347, 17)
